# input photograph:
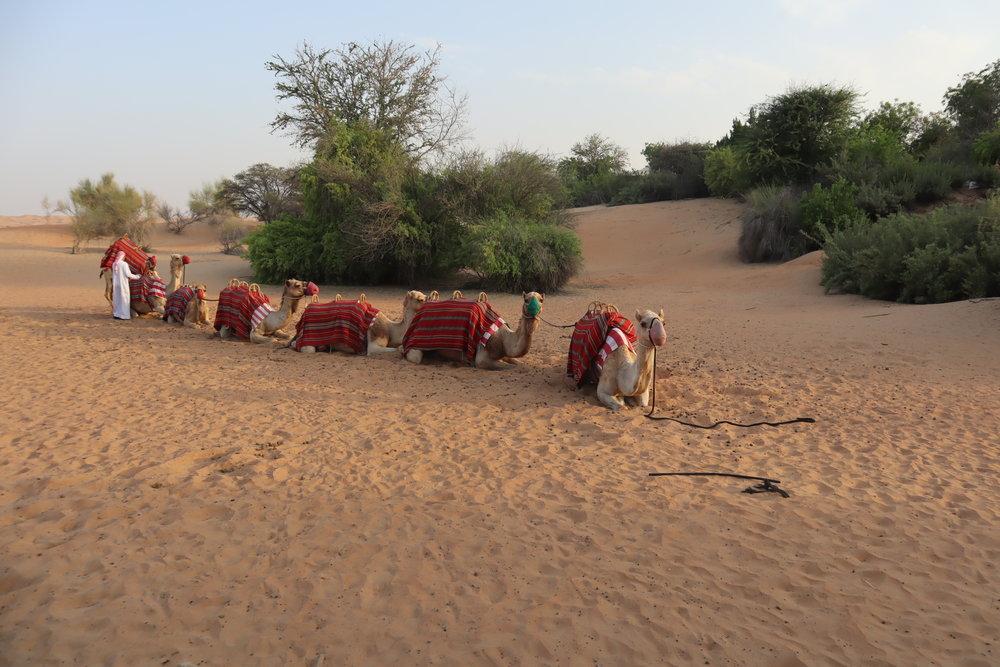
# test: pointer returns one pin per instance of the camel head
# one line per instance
(413, 300)
(651, 326)
(532, 307)
(176, 264)
(294, 289)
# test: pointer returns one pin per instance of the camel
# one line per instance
(153, 301)
(628, 374)
(176, 273)
(188, 306)
(268, 328)
(505, 344)
(384, 335)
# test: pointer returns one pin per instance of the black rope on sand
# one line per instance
(767, 484)
(652, 407)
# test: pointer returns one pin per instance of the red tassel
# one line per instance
(185, 259)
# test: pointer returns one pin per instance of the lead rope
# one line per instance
(766, 485)
(652, 407)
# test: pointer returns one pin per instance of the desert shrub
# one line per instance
(950, 253)
(725, 175)
(289, 248)
(885, 198)
(521, 255)
(104, 208)
(933, 181)
(598, 188)
(232, 232)
(986, 147)
(770, 229)
(660, 186)
(823, 210)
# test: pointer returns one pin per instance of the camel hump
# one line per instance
(457, 294)
(483, 298)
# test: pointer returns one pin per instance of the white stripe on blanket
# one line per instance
(616, 338)
(492, 330)
(263, 310)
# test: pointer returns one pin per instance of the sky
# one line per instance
(171, 96)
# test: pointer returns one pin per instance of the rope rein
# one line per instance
(652, 407)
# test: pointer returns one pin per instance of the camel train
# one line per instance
(604, 349)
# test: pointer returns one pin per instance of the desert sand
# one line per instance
(168, 498)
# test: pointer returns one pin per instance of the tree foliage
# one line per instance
(262, 191)
(104, 208)
(389, 85)
(791, 136)
(204, 205)
(594, 155)
(974, 104)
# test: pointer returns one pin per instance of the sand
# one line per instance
(168, 498)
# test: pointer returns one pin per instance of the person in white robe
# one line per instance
(121, 295)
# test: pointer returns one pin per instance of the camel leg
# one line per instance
(375, 348)
(224, 332)
(258, 338)
(307, 349)
(608, 399)
(643, 399)
(415, 356)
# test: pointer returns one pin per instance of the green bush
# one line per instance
(725, 175)
(520, 255)
(825, 210)
(986, 147)
(770, 229)
(950, 253)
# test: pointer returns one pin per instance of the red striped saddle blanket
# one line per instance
(177, 303)
(336, 323)
(241, 309)
(146, 289)
(595, 336)
(134, 256)
(461, 325)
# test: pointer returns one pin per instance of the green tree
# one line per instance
(204, 205)
(594, 155)
(902, 120)
(987, 146)
(391, 86)
(262, 191)
(974, 104)
(595, 171)
(790, 137)
(104, 208)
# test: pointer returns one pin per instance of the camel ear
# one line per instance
(661, 314)
(541, 297)
(638, 316)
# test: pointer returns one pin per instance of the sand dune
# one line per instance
(168, 498)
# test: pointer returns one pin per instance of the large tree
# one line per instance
(791, 136)
(974, 104)
(594, 155)
(263, 191)
(105, 208)
(395, 88)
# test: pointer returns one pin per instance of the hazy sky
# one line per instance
(172, 95)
